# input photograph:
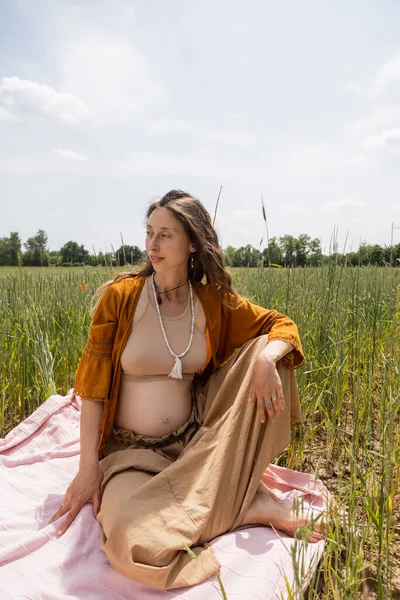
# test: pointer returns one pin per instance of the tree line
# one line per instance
(285, 251)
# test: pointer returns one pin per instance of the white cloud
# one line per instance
(23, 99)
(386, 75)
(379, 128)
(71, 155)
(344, 203)
(112, 76)
(5, 115)
(383, 116)
(390, 138)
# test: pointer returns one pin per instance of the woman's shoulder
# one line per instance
(126, 286)
(127, 282)
(212, 296)
(202, 289)
(207, 289)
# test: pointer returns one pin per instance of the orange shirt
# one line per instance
(99, 371)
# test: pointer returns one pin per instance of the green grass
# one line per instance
(349, 324)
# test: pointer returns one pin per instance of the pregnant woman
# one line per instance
(176, 429)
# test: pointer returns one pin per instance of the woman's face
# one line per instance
(166, 239)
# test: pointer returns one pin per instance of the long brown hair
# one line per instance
(208, 260)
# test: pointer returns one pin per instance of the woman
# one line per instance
(176, 429)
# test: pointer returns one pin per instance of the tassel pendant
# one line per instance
(176, 372)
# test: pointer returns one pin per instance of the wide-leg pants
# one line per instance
(188, 487)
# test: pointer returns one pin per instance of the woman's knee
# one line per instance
(135, 540)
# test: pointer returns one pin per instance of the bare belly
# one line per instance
(143, 406)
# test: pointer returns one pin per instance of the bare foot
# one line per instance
(264, 510)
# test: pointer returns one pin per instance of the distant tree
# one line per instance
(4, 252)
(14, 248)
(352, 259)
(104, 259)
(55, 259)
(128, 255)
(36, 250)
(301, 249)
(93, 260)
(229, 256)
(376, 254)
(286, 251)
(10, 250)
(233, 256)
(363, 254)
(110, 259)
(275, 253)
(396, 255)
(287, 244)
(315, 253)
(247, 256)
(71, 252)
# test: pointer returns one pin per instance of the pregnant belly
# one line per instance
(143, 406)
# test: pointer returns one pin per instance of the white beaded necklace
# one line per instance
(176, 372)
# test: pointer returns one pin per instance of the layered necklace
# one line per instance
(176, 372)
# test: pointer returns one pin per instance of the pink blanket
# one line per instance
(40, 457)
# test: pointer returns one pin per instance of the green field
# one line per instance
(349, 324)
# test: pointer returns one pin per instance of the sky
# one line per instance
(105, 106)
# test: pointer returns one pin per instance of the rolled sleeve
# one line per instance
(247, 321)
(94, 374)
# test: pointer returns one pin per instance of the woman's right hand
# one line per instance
(85, 487)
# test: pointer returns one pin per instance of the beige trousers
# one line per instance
(190, 486)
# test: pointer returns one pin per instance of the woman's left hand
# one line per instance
(266, 389)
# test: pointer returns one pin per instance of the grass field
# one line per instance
(349, 324)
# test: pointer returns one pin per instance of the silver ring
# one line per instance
(268, 402)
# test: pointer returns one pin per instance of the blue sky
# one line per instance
(105, 106)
